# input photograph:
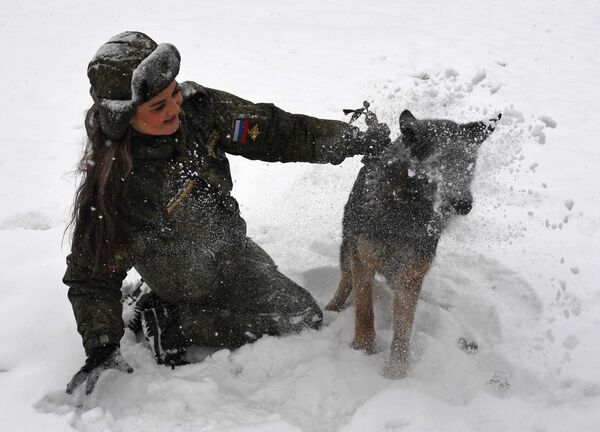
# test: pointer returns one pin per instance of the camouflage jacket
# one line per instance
(181, 219)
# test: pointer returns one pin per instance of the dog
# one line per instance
(399, 205)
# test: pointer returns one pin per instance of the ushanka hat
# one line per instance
(125, 72)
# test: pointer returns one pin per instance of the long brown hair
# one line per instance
(98, 232)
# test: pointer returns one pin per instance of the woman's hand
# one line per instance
(376, 135)
(370, 142)
(100, 359)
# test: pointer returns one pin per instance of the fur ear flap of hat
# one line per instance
(115, 116)
(125, 72)
(155, 73)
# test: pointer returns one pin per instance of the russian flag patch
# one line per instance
(240, 131)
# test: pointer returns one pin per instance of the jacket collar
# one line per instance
(156, 147)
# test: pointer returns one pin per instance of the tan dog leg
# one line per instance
(406, 295)
(338, 301)
(362, 281)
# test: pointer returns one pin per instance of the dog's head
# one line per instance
(449, 151)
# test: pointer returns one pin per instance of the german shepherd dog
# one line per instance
(399, 205)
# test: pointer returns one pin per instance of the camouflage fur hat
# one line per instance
(125, 72)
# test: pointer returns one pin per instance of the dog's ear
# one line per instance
(408, 126)
(408, 129)
(479, 131)
(407, 121)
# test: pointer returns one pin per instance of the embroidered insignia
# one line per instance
(254, 132)
(212, 142)
(240, 131)
(181, 195)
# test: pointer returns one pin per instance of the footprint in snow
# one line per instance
(31, 220)
(478, 297)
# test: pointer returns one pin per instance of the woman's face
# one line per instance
(159, 115)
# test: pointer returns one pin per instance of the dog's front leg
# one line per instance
(406, 287)
(362, 282)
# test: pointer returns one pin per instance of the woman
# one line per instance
(156, 195)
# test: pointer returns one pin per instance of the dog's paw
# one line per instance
(395, 370)
(367, 346)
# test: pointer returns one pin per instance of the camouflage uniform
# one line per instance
(187, 238)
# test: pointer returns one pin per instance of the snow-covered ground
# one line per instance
(519, 275)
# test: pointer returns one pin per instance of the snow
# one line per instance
(518, 276)
(549, 121)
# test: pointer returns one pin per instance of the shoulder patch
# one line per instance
(254, 132)
(243, 129)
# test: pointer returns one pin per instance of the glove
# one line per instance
(99, 359)
(370, 142)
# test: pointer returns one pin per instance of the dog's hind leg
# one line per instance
(344, 289)
(407, 287)
(363, 274)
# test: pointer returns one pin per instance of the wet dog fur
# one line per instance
(399, 205)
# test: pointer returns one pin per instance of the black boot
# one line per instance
(140, 299)
(163, 333)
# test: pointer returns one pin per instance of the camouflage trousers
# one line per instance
(252, 299)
